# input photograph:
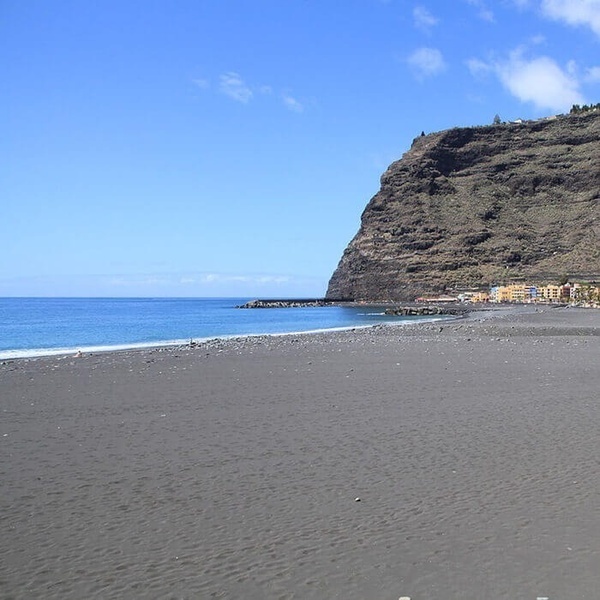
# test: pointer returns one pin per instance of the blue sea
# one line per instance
(45, 326)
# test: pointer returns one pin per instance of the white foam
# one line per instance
(42, 352)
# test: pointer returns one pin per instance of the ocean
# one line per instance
(44, 326)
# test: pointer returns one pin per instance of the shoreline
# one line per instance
(232, 469)
(427, 316)
(179, 344)
(35, 353)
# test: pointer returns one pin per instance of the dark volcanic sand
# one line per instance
(230, 470)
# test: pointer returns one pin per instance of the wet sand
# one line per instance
(232, 469)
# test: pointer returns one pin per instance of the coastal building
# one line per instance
(514, 293)
(569, 291)
(550, 292)
(583, 294)
(480, 297)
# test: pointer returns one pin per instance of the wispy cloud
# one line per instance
(232, 85)
(478, 67)
(423, 19)
(574, 12)
(593, 75)
(537, 40)
(192, 279)
(293, 104)
(483, 10)
(185, 284)
(221, 278)
(540, 80)
(426, 62)
(141, 280)
(203, 84)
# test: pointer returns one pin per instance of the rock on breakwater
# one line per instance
(418, 311)
(289, 303)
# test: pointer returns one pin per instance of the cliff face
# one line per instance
(477, 206)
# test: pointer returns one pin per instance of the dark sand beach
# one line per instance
(232, 469)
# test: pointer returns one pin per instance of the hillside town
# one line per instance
(579, 294)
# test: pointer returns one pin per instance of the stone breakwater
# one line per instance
(415, 311)
(418, 311)
(301, 303)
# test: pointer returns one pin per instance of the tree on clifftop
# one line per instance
(577, 110)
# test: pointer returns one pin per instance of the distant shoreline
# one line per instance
(447, 313)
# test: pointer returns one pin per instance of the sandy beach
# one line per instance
(442, 461)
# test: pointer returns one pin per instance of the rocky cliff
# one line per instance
(470, 207)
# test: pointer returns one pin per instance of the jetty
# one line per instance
(295, 302)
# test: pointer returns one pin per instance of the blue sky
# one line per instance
(228, 147)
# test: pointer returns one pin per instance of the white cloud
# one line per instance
(540, 81)
(202, 83)
(137, 280)
(423, 18)
(221, 278)
(210, 278)
(478, 67)
(574, 12)
(572, 68)
(232, 85)
(426, 62)
(593, 75)
(293, 104)
(272, 279)
(484, 12)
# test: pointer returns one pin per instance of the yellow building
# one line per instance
(513, 293)
(550, 292)
(509, 293)
(480, 297)
(502, 294)
(517, 293)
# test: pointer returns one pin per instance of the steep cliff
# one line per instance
(471, 207)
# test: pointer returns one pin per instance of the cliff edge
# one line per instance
(471, 207)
